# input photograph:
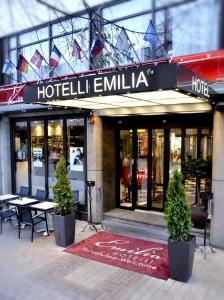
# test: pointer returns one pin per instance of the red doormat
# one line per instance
(137, 255)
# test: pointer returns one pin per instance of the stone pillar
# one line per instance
(95, 167)
(217, 222)
(5, 157)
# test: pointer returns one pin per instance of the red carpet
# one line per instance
(137, 255)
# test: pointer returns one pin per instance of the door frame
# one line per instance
(134, 169)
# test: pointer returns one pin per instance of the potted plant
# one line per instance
(181, 244)
(64, 216)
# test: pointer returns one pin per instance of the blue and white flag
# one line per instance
(7, 67)
(151, 35)
(122, 41)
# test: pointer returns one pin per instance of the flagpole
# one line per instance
(164, 52)
(118, 68)
(132, 46)
(20, 72)
(73, 70)
(35, 71)
(174, 51)
(51, 68)
(86, 57)
(49, 71)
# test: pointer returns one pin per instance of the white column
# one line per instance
(5, 156)
(95, 167)
(217, 222)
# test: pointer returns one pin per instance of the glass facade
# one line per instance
(38, 156)
(75, 155)
(142, 168)
(175, 150)
(178, 27)
(55, 148)
(21, 154)
(160, 151)
(157, 173)
(126, 152)
(38, 146)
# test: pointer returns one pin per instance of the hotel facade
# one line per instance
(131, 121)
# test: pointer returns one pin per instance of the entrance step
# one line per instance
(141, 224)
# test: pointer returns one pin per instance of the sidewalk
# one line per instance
(41, 270)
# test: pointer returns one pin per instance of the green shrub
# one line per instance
(63, 195)
(177, 211)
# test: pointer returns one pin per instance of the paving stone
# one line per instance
(42, 270)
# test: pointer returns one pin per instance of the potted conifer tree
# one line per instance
(181, 244)
(64, 216)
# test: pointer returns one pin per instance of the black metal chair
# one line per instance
(24, 191)
(7, 214)
(25, 217)
(41, 195)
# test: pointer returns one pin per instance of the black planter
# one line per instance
(64, 229)
(181, 258)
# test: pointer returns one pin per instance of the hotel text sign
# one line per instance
(199, 86)
(89, 86)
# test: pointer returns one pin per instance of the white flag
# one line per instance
(122, 41)
(7, 67)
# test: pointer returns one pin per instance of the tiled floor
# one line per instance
(41, 270)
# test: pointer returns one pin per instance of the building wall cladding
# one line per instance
(109, 166)
(217, 223)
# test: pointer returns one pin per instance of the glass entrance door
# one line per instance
(141, 150)
(157, 173)
(126, 158)
(142, 168)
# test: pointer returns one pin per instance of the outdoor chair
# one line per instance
(24, 191)
(41, 195)
(25, 217)
(7, 214)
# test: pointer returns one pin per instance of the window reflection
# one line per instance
(21, 155)
(175, 150)
(126, 168)
(63, 44)
(157, 167)
(191, 144)
(206, 144)
(37, 156)
(13, 58)
(55, 149)
(32, 36)
(75, 154)
(142, 167)
(28, 52)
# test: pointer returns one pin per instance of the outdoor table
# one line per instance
(45, 207)
(4, 198)
(22, 202)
